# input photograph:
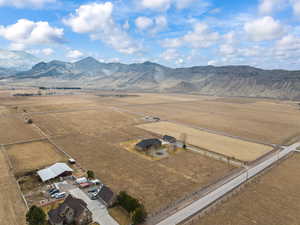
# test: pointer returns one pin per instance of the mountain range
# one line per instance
(242, 81)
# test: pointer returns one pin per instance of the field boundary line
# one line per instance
(4, 151)
(25, 141)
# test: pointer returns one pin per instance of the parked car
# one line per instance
(50, 190)
(54, 192)
(81, 180)
(60, 195)
(96, 182)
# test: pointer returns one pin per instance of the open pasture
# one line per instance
(12, 207)
(30, 156)
(231, 147)
(268, 121)
(14, 129)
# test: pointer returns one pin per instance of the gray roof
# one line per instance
(53, 171)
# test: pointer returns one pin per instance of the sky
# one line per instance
(175, 33)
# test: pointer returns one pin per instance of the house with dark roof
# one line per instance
(106, 196)
(71, 211)
(169, 139)
(147, 144)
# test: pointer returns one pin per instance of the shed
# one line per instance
(148, 144)
(56, 170)
(106, 195)
(169, 139)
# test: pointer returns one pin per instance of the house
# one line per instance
(169, 139)
(106, 195)
(147, 144)
(54, 171)
(72, 211)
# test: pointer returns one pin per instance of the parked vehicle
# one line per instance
(81, 180)
(55, 191)
(50, 190)
(96, 182)
(60, 195)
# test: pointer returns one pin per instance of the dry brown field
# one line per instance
(14, 129)
(268, 121)
(12, 208)
(231, 147)
(30, 156)
(155, 183)
(272, 199)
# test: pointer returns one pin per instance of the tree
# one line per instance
(90, 174)
(35, 216)
(139, 215)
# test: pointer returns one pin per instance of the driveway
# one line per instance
(100, 213)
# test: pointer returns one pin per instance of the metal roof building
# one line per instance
(54, 171)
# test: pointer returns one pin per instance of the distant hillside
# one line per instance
(223, 81)
(17, 60)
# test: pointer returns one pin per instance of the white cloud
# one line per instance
(264, 29)
(160, 5)
(212, 63)
(26, 32)
(270, 6)
(296, 7)
(227, 49)
(201, 36)
(74, 54)
(25, 3)
(161, 23)
(126, 25)
(97, 20)
(289, 42)
(170, 54)
(143, 22)
(182, 4)
(47, 51)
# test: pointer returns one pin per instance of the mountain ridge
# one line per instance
(231, 80)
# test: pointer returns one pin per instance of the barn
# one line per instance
(147, 144)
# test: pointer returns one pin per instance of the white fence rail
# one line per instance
(230, 184)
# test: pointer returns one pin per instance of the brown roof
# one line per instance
(76, 204)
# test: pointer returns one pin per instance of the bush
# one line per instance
(139, 215)
(35, 216)
(90, 174)
(29, 121)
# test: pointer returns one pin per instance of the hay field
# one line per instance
(272, 199)
(34, 155)
(269, 121)
(242, 150)
(12, 208)
(14, 129)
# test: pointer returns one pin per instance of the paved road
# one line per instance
(100, 213)
(228, 185)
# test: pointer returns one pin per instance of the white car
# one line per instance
(59, 195)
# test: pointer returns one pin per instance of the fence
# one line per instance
(225, 186)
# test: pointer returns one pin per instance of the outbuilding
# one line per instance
(169, 139)
(54, 171)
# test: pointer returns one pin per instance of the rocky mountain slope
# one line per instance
(223, 81)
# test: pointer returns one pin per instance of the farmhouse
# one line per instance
(147, 144)
(169, 139)
(71, 211)
(54, 171)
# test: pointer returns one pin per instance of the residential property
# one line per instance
(54, 171)
(106, 195)
(147, 144)
(169, 139)
(71, 211)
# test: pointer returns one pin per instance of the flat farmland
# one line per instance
(155, 183)
(257, 119)
(33, 155)
(14, 129)
(272, 199)
(231, 147)
(12, 208)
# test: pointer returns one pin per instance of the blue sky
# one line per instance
(262, 33)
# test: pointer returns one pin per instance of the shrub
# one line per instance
(35, 216)
(139, 215)
(90, 174)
